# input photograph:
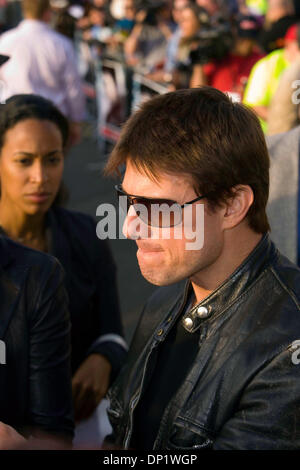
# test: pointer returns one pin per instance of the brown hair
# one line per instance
(202, 133)
(35, 8)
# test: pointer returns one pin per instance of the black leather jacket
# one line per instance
(243, 389)
(35, 371)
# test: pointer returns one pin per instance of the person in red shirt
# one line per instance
(230, 74)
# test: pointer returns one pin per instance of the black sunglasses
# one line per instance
(155, 212)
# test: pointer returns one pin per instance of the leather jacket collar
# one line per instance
(220, 299)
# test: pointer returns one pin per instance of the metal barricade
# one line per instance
(113, 91)
(144, 89)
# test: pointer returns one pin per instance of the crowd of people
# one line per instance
(241, 47)
(230, 74)
(185, 44)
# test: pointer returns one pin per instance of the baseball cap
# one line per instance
(248, 26)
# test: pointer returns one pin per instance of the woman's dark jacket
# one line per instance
(35, 373)
(91, 286)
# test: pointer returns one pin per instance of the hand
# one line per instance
(10, 438)
(89, 385)
(132, 61)
(164, 28)
(87, 35)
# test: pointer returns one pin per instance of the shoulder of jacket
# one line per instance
(20, 262)
(287, 275)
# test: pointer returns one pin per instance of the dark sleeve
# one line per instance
(268, 417)
(50, 407)
(107, 318)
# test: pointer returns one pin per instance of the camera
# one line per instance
(214, 43)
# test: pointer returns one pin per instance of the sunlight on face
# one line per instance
(165, 261)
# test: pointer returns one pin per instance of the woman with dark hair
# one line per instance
(178, 66)
(33, 134)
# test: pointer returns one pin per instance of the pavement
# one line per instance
(88, 189)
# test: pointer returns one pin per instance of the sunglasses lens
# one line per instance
(165, 214)
(154, 212)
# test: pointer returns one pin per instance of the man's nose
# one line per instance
(128, 226)
(134, 228)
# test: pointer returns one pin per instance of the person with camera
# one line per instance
(229, 73)
(146, 46)
(190, 20)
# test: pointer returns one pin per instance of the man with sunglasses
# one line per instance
(214, 362)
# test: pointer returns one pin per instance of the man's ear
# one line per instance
(237, 207)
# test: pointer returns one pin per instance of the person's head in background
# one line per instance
(59, 5)
(33, 135)
(167, 10)
(178, 7)
(278, 9)
(223, 8)
(62, 21)
(291, 43)
(129, 9)
(211, 6)
(97, 16)
(193, 18)
(247, 30)
(37, 10)
(99, 3)
(163, 10)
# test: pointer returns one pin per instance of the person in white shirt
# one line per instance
(42, 62)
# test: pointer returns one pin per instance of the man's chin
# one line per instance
(157, 278)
